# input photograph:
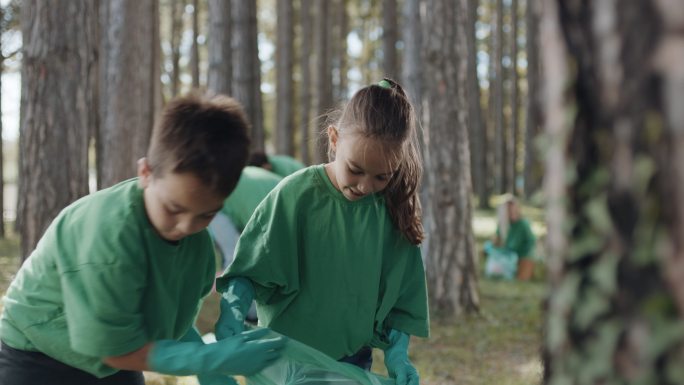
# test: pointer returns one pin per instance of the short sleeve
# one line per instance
(410, 312)
(267, 251)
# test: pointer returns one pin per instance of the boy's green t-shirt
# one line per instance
(284, 165)
(327, 271)
(254, 184)
(101, 283)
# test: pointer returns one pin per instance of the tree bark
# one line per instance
(220, 73)
(477, 129)
(59, 77)
(195, 59)
(451, 259)
(129, 86)
(323, 88)
(247, 67)
(499, 133)
(390, 35)
(343, 27)
(2, 147)
(532, 170)
(177, 10)
(284, 122)
(305, 88)
(617, 299)
(513, 144)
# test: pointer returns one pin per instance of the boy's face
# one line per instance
(177, 204)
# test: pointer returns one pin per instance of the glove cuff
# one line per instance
(173, 357)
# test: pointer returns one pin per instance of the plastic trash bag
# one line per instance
(500, 263)
(303, 365)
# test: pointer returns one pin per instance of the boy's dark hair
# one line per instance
(258, 159)
(203, 135)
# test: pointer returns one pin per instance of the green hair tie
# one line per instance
(385, 84)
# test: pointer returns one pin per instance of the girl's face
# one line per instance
(177, 204)
(362, 166)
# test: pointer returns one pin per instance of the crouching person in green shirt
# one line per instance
(114, 285)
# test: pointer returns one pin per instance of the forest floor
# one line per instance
(498, 346)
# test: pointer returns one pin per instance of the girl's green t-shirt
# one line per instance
(101, 283)
(329, 272)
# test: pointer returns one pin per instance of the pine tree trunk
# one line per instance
(323, 88)
(390, 36)
(194, 59)
(451, 258)
(59, 77)
(2, 147)
(177, 10)
(284, 122)
(247, 67)
(305, 88)
(343, 25)
(129, 86)
(477, 128)
(412, 66)
(532, 170)
(220, 73)
(617, 299)
(499, 133)
(513, 147)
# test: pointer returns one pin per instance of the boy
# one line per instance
(114, 284)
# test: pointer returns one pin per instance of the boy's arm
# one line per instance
(242, 354)
(135, 360)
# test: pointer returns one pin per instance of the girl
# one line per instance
(331, 255)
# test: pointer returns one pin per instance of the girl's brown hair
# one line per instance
(382, 111)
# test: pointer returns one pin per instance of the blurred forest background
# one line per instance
(574, 106)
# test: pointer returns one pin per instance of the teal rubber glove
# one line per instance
(235, 303)
(192, 335)
(397, 362)
(244, 354)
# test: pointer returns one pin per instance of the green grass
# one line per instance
(9, 259)
(499, 346)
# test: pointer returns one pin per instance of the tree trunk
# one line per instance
(177, 10)
(305, 88)
(2, 149)
(499, 133)
(390, 36)
(532, 170)
(247, 67)
(412, 74)
(451, 263)
(617, 299)
(129, 86)
(343, 26)
(220, 73)
(477, 129)
(513, 146)
(323, 88)
(59, 76)
(284, 122)
(194, 59)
